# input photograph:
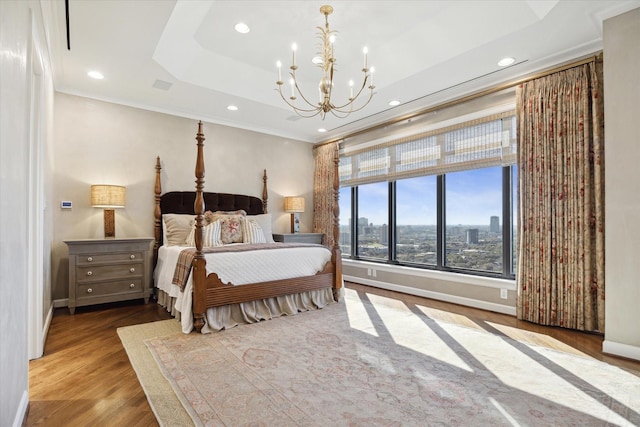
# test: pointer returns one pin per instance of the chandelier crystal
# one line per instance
(325, 60)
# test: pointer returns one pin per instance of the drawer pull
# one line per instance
(133, 285)
(133, 270)
(89, 290)
(89, 273)
(89, 259)
(132, 257)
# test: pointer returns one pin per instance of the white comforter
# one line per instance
(238, 268)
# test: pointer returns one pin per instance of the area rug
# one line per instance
(360, 363)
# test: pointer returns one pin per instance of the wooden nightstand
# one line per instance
(299, 238)
(108, 270)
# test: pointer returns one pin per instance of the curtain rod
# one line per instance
(466, 98)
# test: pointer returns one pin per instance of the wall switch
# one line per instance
(65, 205)
(368, 272)
(373, 272)
(503, 293)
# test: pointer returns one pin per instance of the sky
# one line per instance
(472, 197)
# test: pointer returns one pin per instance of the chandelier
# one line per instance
(326, 61)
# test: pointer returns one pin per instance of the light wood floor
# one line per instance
(84, 377)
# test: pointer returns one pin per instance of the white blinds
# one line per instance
(489, 141)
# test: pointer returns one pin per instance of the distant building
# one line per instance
(472, 236)
(494, 225)
(384, 234)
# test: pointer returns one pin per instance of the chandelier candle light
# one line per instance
(327, 62)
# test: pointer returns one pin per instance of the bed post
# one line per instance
(198, 265)
(335, 253)
(157, 213)
(265, 194)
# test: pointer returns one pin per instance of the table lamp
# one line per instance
(294, 206)
(108, 197)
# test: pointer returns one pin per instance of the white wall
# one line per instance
(622, 185)
(103, 143)
(17, 37)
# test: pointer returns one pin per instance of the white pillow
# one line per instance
(176, 228)
(211, 235)
(264, 221)
(252, 232)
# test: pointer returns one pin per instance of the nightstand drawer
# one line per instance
(108, 258)
(92, 290)
(299, 238)
(106, 272)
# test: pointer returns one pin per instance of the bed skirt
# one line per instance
(228, 316)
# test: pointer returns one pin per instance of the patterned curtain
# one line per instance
(560, 270)
(323, 191)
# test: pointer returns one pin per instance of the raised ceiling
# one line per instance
(185, 58)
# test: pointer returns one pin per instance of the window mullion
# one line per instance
(507, 203)
(391, 231)
(440, 229)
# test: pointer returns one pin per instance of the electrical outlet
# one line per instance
(503, 293)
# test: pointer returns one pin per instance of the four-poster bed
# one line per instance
(212, 296)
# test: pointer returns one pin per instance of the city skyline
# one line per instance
(473, 197)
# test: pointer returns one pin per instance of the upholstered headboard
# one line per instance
(182, 202)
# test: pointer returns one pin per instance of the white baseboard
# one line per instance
(619, 349)
(469, 302)
(47, 324)
(21, 414)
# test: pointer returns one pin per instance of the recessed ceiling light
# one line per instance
(505, 62)
(232, 108)
(95, 75)
(394, 102)
(321, 130)
(242, 28)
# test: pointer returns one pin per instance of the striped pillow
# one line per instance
(211, 235)
(252, 232)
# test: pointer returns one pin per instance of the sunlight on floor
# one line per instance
(534, 363)
(407, 329)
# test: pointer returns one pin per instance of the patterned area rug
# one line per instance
(360, 363)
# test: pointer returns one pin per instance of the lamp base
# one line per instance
(295, 223)
(109, 223)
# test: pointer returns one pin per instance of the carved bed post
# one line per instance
(157, 213)
(198, 266)
(336, 257)
(265, 195)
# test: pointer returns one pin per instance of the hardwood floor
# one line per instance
(85, 378)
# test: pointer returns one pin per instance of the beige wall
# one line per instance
(622, 185)
(104, 143)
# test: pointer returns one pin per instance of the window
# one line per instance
(416, 220)
(373, 215)
(473, 219)
(444, 199)
(345, 220)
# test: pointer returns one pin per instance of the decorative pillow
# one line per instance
(176, 228)
(264, 221)
(231, 228)
(209, 216)
(211, 235)
(252, 232)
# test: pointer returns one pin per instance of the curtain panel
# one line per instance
(560, 272)
(325, 157)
